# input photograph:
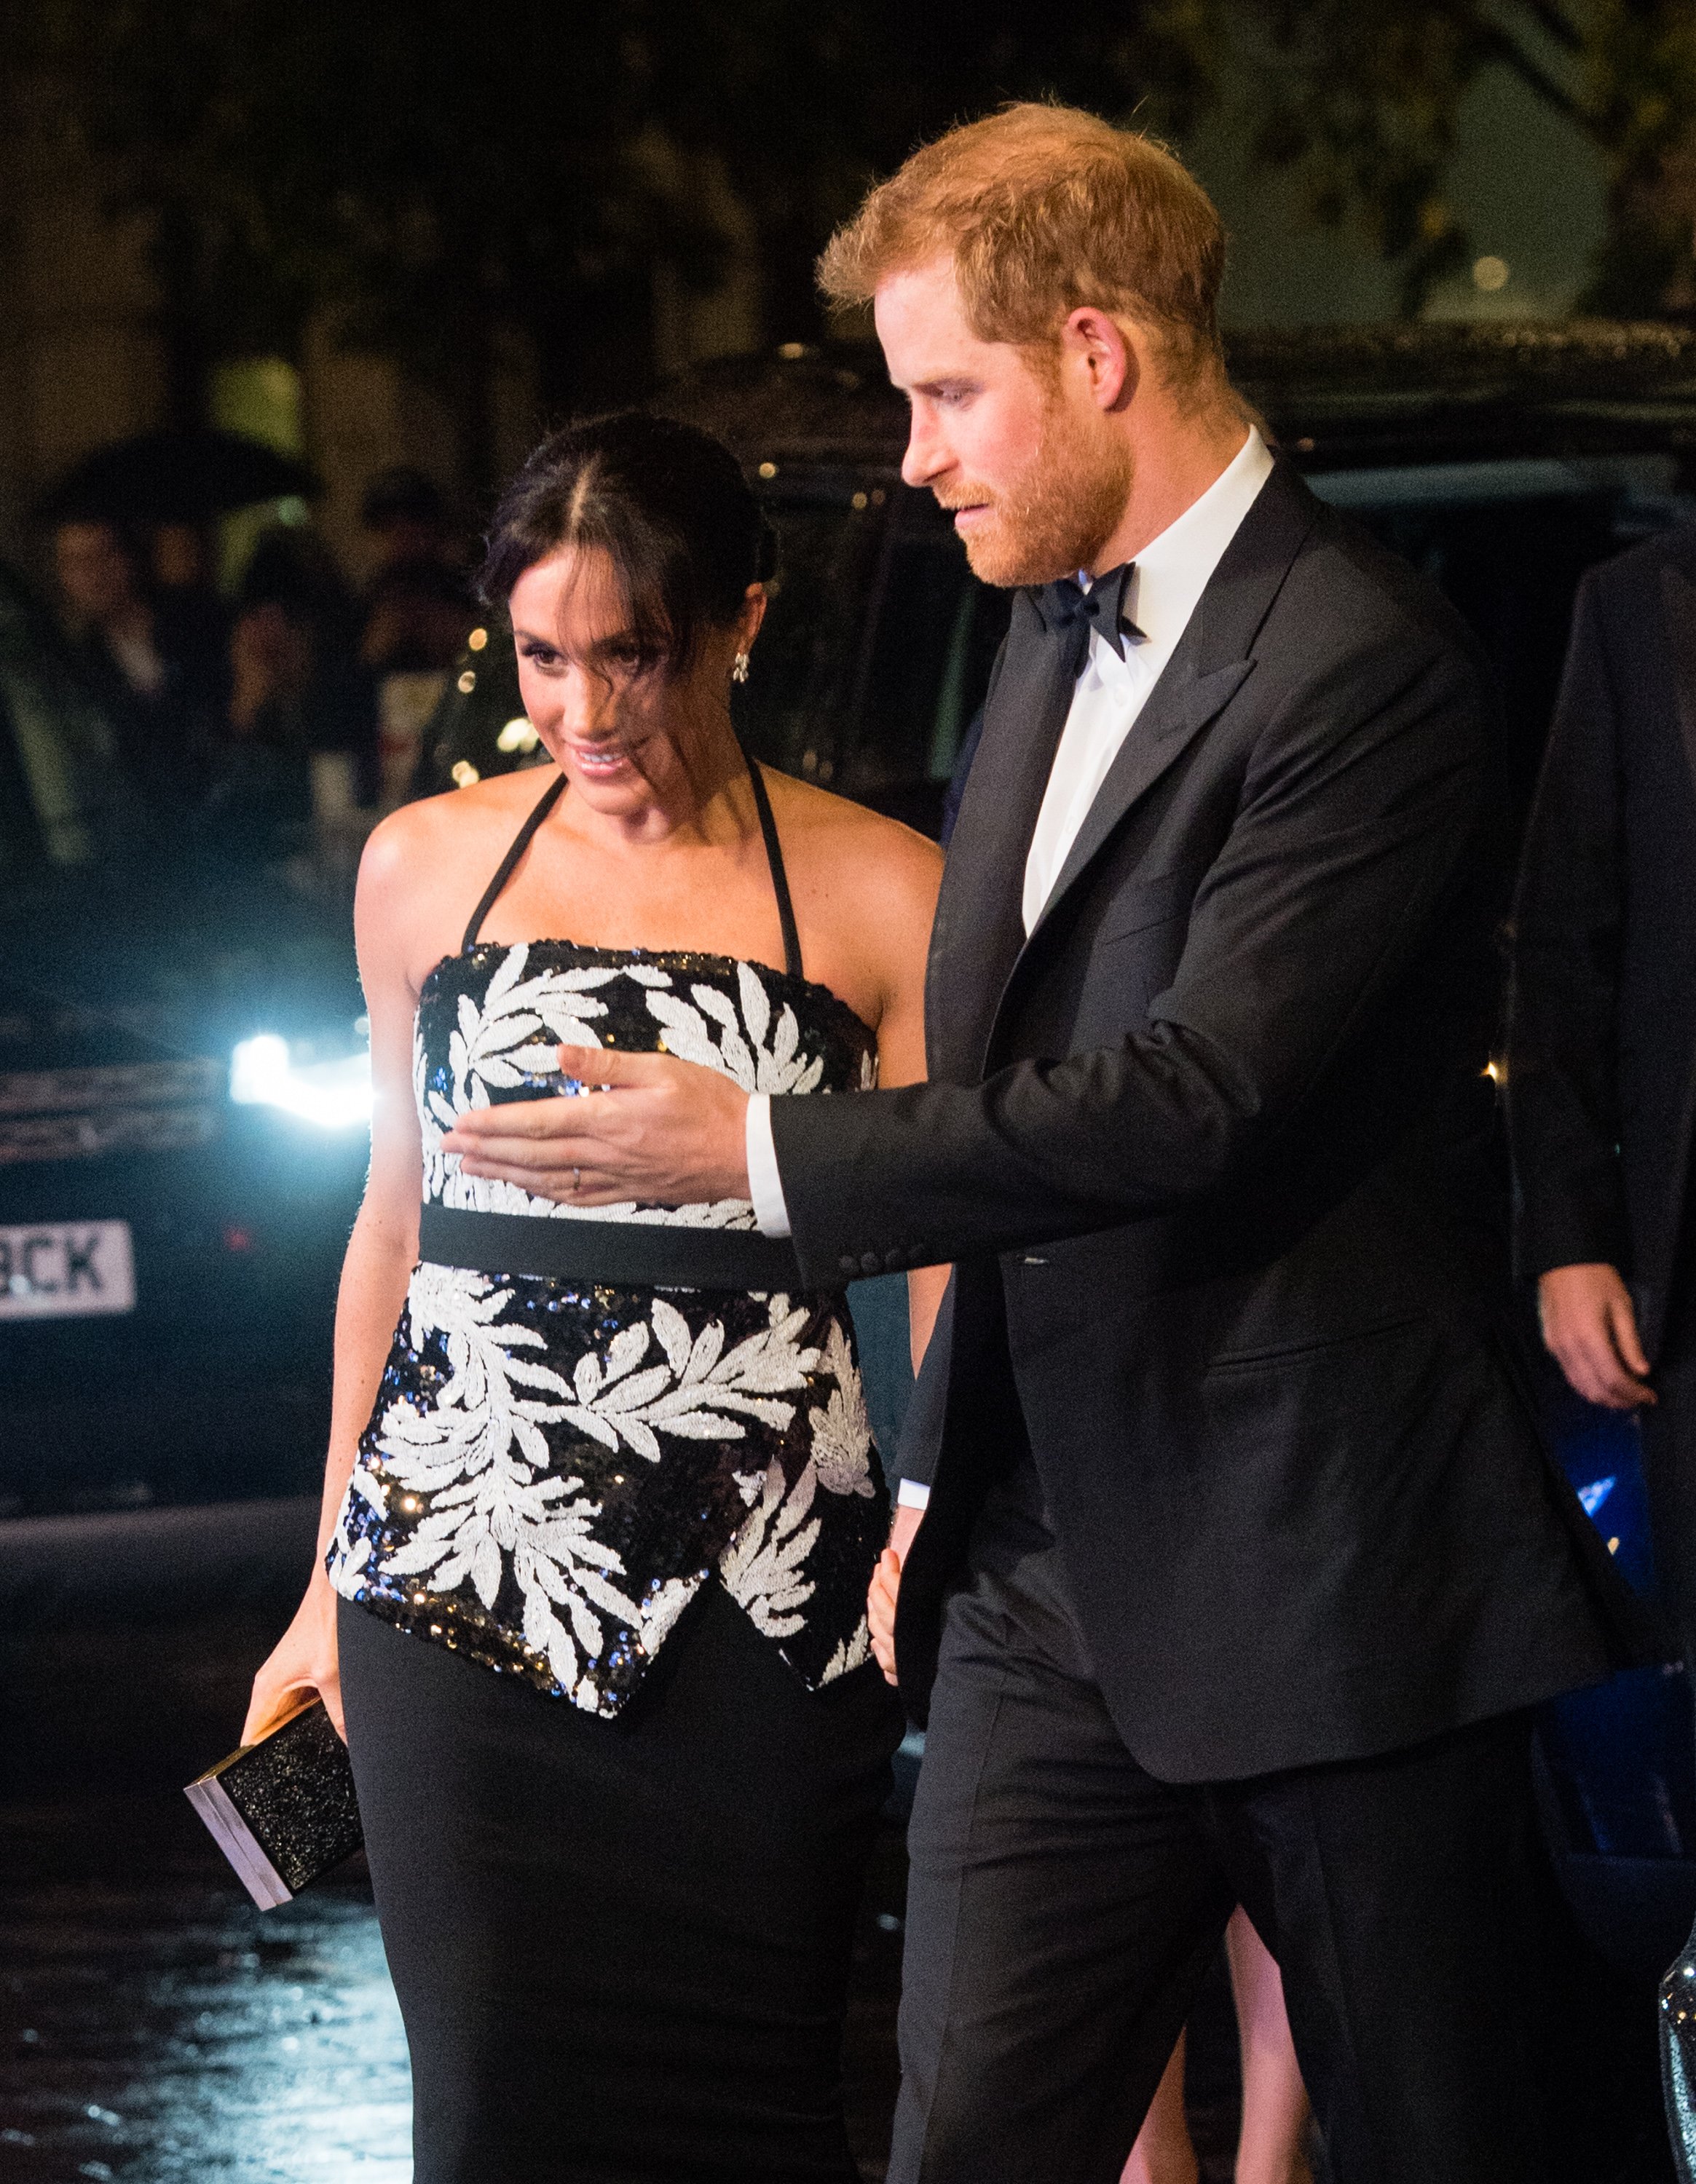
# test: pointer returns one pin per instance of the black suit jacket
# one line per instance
(1204, 1151)
(1602, 1057)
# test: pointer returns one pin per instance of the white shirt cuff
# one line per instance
(912, 1494)
(765, 1185)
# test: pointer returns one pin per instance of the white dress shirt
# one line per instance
(1165, 587)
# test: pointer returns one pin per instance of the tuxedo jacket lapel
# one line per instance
(1209, 666)
(979, 947)
(979, 926)
(1180, 706)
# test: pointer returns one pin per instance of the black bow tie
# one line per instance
(1072, 612)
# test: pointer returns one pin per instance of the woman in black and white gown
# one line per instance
(602, 1505)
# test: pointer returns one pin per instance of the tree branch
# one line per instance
(1555, 24)
(1507, 49)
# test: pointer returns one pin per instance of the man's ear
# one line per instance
(1094, 338)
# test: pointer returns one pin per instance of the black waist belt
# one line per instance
(616, 1253)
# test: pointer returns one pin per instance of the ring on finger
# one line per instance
(577, 1181)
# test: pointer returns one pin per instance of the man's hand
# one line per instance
(669, 1132)
(1590, 1327)
(880, 1603)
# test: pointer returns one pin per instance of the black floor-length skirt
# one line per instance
(621, 1947)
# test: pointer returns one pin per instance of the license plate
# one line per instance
(62, 1269)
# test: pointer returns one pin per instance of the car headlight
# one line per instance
(266, 1071)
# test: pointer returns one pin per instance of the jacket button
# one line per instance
(870, 1263)
(848, 1266)
(895, 1261)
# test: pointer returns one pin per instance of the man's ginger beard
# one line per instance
(1056, 517)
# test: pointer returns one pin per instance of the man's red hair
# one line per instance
(1043, 209)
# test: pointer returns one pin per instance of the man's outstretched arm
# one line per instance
(1360, 812)
(1352, 841)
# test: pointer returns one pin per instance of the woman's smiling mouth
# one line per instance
(598, 758)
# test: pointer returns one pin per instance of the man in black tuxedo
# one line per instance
(1602, 1047)
(1242, 1566)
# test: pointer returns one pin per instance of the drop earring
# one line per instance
(739, 668)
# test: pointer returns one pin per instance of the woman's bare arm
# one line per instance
(380, 1256)
(907, 902)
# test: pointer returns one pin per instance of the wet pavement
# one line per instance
(156, 2026)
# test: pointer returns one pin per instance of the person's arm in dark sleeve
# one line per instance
(1363, 800)
(1562, 1102)
(921, 1432)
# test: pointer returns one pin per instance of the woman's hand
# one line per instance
(304, 1662)
(885, 1593)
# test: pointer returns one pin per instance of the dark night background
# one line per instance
(415, 232)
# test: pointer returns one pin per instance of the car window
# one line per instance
(879, 643)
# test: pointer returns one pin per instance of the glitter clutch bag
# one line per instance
(283, 1810)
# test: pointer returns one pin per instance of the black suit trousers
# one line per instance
(1064, 1904)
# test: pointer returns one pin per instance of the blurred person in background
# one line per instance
(418, 613)
(194, 620)
(418, 607)
(158, 669)
(300, 736)
(1601, 1036)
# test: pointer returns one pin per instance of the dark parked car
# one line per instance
(183, 1096)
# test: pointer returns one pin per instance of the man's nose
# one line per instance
(926, 457)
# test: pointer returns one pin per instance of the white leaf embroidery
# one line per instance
(760, 1569)
(741, 1052)
(478, 1453)
(841, 1432)
(850, 1653)
(702, 1392)
(506, 1044)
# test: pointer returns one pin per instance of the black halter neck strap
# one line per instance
(780, 878)
(768, 833)
(504, 870)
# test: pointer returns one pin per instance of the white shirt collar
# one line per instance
(1173, 570)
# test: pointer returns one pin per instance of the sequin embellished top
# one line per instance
(588, 1414)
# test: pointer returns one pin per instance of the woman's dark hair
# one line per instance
(664, 501)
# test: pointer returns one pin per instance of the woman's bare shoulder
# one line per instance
(848, 841)
(426, 863)
(411, 842)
